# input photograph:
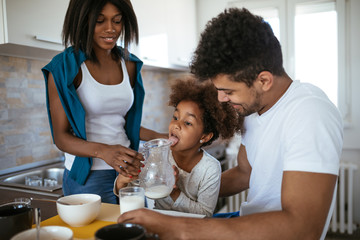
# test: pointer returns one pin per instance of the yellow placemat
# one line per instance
(86, 232)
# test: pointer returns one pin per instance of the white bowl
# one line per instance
(82, 209)
(48, 232)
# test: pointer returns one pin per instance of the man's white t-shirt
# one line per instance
(303, 131)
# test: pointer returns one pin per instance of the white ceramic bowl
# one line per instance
(82, 209)
(48, 232)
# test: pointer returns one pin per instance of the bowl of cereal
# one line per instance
(79, 210)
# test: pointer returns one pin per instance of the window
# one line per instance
(316, 46)
(312, 36)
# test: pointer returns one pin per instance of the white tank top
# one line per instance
(106, 107)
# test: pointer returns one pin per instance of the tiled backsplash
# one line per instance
(156, 112)
(24, 130)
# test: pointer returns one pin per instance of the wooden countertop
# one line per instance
(109, 214)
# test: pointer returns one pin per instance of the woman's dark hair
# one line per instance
(239, 44)
(80, 21)
(218, 118)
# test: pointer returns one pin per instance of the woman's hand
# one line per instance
(124, 160)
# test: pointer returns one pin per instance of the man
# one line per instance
(289, 157)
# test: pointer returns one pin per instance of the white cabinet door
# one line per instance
(32, 23)
(182, 30)
(167, 31)
(2, 16)
(208, 9)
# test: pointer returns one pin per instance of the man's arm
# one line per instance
(237, 178)
(306, 199)
(148, 134)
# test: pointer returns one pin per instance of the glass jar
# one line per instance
(157, 176)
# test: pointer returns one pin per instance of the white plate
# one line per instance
(179, 214)
(47, 232)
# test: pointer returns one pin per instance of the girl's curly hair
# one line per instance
(219, 118)
(239, 44)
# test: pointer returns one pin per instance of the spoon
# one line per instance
(37, 221)
(50, 200)
(17, 202)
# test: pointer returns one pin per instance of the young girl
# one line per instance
(198, 120)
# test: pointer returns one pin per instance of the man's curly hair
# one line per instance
(219, 118)
(239, 44)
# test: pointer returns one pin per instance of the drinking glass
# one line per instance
(33, 181)
(131, 198)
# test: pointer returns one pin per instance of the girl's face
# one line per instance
(108, 28)
(187, 126)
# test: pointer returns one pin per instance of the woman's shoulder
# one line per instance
(68, 56)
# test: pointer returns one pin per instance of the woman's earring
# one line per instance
(201, 141)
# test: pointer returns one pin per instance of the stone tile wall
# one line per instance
(156, 112)
(24, 129)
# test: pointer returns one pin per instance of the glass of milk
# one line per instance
(131, 198)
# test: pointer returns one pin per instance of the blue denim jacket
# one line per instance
(64, 67)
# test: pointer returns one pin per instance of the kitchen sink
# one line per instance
(47, 179)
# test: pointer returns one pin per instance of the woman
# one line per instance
(95, 97)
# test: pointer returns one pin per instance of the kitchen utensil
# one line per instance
(131, 198)
(81, 209)
(125, 231)
(50, 200)
(157, 176)
(46, 233)
(14, 218)
(37, 222)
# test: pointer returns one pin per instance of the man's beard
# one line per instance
(253, 108)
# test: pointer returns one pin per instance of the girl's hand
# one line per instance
(176, 191)
(122, 181)
(176, 174)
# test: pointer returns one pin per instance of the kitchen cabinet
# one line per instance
(167, 31)
(208, 9)
(31, 28)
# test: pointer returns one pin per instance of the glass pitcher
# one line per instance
(157, 176)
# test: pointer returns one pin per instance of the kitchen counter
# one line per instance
(109, 214)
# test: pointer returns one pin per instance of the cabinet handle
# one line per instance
(150, 59)
(46, 39)
(184, 60)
